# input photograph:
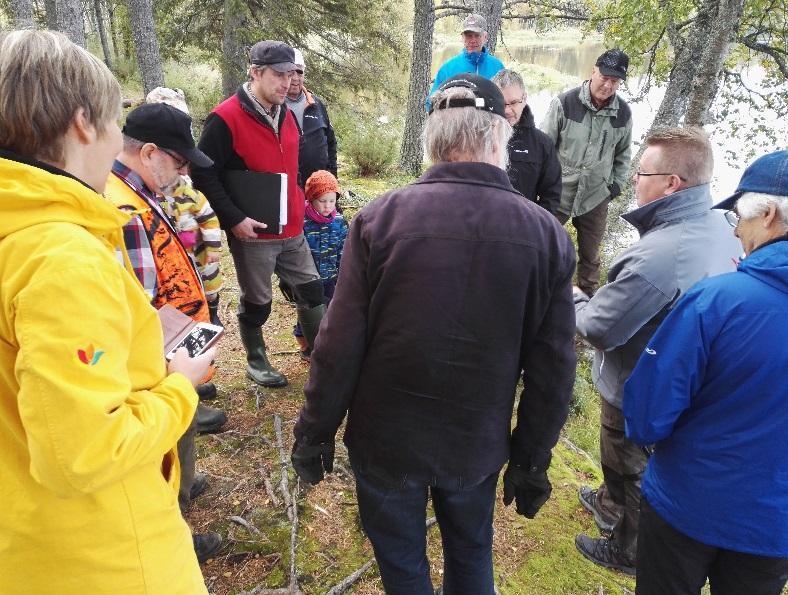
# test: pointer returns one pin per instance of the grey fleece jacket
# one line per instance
(681, 242)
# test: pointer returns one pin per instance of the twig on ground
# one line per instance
(269, 489)
(574, 448)
(284, 486)
(244, 523)
(293, 538)
(257, 397)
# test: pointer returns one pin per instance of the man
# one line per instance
(474, 57)
(318, 148)
(254, 130)
(534, 169)
(710, 391)
(681, 241)
(157, 150)
(450, 289)
(591, 126)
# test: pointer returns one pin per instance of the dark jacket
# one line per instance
(237, 137)
(534, 168)
(450, 289)
(318, 142)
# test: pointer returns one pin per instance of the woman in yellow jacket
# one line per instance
(89, 411)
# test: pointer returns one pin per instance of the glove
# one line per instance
(529, 487)
(310, 460)
(614, 190)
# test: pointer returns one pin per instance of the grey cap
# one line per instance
(474, 22)
(276, 54)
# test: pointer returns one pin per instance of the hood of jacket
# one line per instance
(32, 193)
(679, 205)
(769, 263)
(526, 118)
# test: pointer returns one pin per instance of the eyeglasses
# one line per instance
(640, 174)
(180, 162)
(514, 103)
(298, 72)
(732, 217)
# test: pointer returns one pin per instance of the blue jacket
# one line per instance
(326, 241)
(710, 390)
(481, 63)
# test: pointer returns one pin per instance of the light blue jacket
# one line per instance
(711, 391)
(481, 63)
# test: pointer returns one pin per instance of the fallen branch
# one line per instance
(269, 489)
(284, 486)
(244, 523)
(293, 538)
(571, 446)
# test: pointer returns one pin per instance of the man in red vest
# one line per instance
(253, 130)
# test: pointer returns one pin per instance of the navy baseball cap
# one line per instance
(766, 175)
(488, 95)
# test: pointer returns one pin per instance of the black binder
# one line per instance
(260, 195)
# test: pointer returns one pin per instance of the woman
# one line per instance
(89, 411)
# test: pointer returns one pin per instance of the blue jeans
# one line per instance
(394, 519)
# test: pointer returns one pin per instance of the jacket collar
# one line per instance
(526, 118)
(11, 156)
(679, 205)
(585, 98)
(248, 106)
(467, 172)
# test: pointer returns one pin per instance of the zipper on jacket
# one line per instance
(602, 146)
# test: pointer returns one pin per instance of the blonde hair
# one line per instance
(686, 152)
(44, 80)
(464, 133)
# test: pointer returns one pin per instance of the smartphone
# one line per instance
(201, 338)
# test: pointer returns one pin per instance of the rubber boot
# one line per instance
(258, 368)
(310, 323)
(213, 310)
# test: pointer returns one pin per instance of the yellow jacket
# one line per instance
(89, 418)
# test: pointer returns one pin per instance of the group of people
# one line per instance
(452, 290)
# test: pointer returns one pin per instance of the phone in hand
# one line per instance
(200, 338)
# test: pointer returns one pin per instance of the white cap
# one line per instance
(174, 97)
(299, 59)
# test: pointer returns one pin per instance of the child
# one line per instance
(325, 231)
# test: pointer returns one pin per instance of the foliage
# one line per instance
(369, 144)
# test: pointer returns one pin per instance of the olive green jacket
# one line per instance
(594, 147)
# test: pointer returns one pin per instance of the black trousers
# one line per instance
(670, 563)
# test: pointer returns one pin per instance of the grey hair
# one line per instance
(132, 145)
(464, 133)
(752, 204)
(508, 78)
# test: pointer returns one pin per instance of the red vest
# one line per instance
(261, 150)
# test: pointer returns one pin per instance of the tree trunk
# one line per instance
(723, 26)
(146, 43)
(491, 11)
(51, 10)
(234, 59)
(22, 14)
(113, 29)
(412, 152)
(102, 33)
(69, 20)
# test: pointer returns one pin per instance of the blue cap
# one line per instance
(766, 175)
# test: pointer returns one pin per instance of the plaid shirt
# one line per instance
(134, 236)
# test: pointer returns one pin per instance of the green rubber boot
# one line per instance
(310, 323)
(258, 368)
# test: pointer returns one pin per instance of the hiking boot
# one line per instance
(587, 496)
(206, 391)
(199, 485)
(258, 368)
(206, 545)
(605, 552)
(209, 419)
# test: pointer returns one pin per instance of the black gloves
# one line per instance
(614, 190)
(310, 460)
(529, 486)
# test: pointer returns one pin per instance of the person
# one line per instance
(196, 223)
(709, 392)
(318, 147)
(534, 169)
(591, 127)
(254, 130)
(681, 241)
(89, 409)
(157, 148)
(325, 230)
(450, 288)
(475, 58)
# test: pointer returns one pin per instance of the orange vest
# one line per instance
(178, 283)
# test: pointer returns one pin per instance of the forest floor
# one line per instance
(251, 482)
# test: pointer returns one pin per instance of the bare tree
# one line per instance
(491, 11)
(146, 43)
(69, 19)
(22, 14)
(102, 33)
(411, 151)
(234, 58)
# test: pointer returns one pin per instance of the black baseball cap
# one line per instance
(166, 127)
(613, 63)
(276, 54)
(488, 95)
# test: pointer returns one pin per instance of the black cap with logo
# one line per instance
(166, 127)
(488, 95)
(613, 63)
